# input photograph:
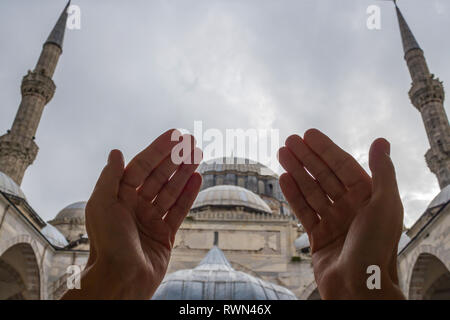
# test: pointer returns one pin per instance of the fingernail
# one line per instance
(383, 146)
(115, 153)
(387, 148)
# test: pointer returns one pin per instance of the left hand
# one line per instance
(132, 218)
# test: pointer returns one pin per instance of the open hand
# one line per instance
(353, 221)
(132, 218)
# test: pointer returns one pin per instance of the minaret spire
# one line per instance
(427, 95)
(408, 39)
(17, 147)
(57, 35)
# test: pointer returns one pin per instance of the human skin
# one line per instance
(352, 220)
(132, 218)
(135, 211)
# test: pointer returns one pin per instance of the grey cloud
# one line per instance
(138, 68)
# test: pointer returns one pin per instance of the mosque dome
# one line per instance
(215, 279)
(239, 165)
(230, 196)
(7, 185)
(71, 221)
(71, 213)
(55, 237)
(442, 198)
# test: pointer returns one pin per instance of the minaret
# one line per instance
(427, 95)
(17, 147)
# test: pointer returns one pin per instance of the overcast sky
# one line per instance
(137, 68)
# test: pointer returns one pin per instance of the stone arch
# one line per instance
(11, 283)
(428, 273)
(440, 289)
(19, 262)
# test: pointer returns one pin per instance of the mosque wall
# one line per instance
(262, 248)
(21, 243)
(427, 257)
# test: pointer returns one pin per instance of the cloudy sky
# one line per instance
(137, 68)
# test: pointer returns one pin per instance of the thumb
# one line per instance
(383, 172)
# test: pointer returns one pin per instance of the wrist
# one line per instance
(356, 284)
(105, 280)
(362, 288)
(123, 282)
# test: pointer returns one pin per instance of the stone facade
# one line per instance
(30, 266)
(424, 263)
(261, 245)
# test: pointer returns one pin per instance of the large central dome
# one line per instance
(229, 197)
(238, 165)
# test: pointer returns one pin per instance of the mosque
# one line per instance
(240, 240)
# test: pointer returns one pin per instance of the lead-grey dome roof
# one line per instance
(240, 165)
(442, 198)
(404, 240)
(302, 242)
(7, 185)
(71, 213)
(215, 279)
(55, 237)
(228, 195)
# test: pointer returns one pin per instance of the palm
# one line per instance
(135, 212)
(147, 245)
(332, 196)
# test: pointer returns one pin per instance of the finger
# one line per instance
(383, 171)
(92, 247)
(319, 170)
(172, 190)
(308, 218)
(310, 189)
(184, 203)
(105, 192)
(147, 160)
(343, 165)
(108, 183)
(159, 177)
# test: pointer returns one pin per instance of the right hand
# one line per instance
(352, 221)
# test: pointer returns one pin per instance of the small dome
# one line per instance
(70, 221)
(302, 242)
(55, 237)
(73, 212)
(7, 185)
(442, 198)
(227, 195)
(215, 279)
(239, 165)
